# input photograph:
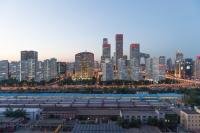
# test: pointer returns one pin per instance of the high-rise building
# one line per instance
(84, 65)
(197, 68)
(4, 69)
(122, 70)
(70, 68)
(178, 62)
(26, 55)
(61, 68)
(179, 55)
(28, 65)
(39, 73)
(107, 70)
(119, 46)
(155, 69)
(186, 68)
(148, 68)
(28, 69)
(97, 65)
(162, 68)
(134, 70)
(50, 69)
(14, 70)
(106, 52)
(135, 53)
(46, 70)
(169, 65)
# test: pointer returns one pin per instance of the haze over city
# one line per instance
(62, 29)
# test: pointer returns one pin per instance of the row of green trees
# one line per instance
(10, 112)
(92, 81)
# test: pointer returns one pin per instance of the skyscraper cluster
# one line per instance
(135, 67)
(131, 69)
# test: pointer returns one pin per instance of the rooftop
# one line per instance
(190, 111)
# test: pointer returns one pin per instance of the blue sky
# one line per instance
(62, 28)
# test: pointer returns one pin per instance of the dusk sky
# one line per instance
(62, 28)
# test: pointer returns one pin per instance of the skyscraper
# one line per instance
(135, 53)
(162, 67)
(14, 70)
(50, 69)
(187, 68)
(179, 55)
(122, 70)
(28, 69)
(119, 46)
(107, 70)
(134, 69)
(155, 69)
(70, 68)
(4, 69)
(197, 68)
(39, 73)
(169, 64)
(148, 68)
(84, 65)
(28, 65)
(178, 62)
(26, 55)
(106, 52)
(61, 68)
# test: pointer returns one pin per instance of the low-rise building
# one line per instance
(141, 113)
(190, 119)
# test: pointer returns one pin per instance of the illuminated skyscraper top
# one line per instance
(106, 50)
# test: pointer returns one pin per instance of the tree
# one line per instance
(10, 112)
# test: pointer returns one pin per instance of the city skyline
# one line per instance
(62, 29)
